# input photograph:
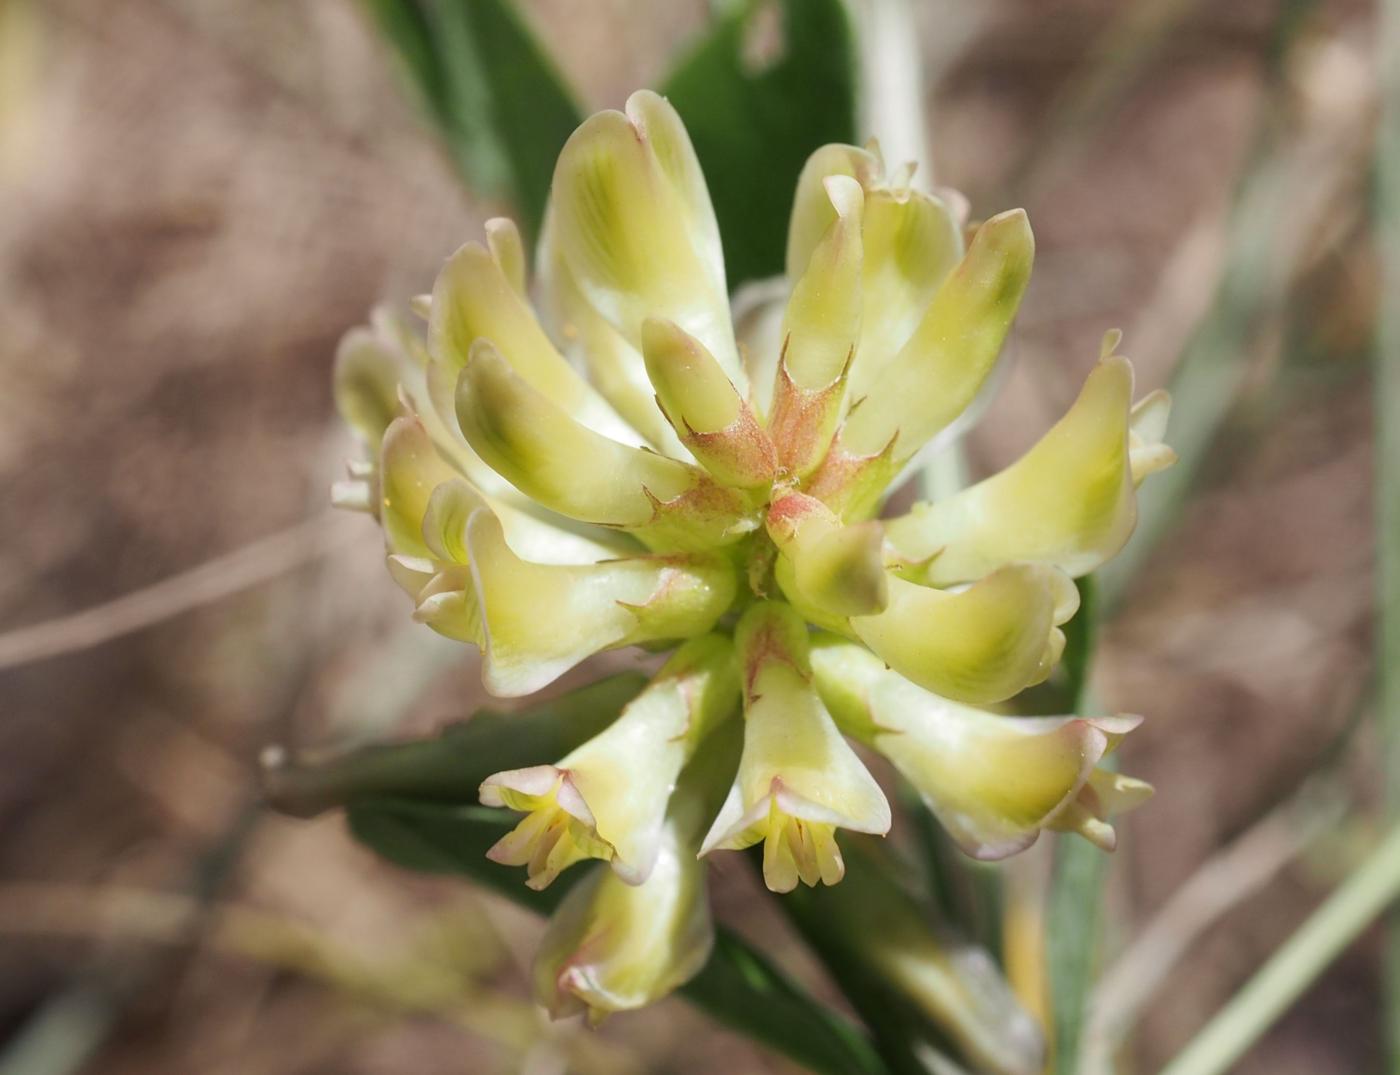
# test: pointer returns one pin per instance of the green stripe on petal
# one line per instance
(539, 620)
(473, 299)
(941, 368)
(578, 473)
(912, 242)
(712, 420)
(634, 224)
(1068, 502)
(981, 645)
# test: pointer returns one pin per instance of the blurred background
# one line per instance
(197, 197)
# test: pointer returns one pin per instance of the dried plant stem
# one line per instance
(1305, 955)
(1223, 882)
(221, 577)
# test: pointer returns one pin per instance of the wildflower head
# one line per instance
(597, 458)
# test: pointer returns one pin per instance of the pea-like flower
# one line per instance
(624, 468)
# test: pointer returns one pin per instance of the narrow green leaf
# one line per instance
(1075, 901)
(738, 986)
(451, 766)
(497, 99)
(754, 122)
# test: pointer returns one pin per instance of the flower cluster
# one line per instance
(638, 464)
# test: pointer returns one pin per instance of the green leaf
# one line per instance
(754, 127)
(490, 88)
(738, 986)
(1075, 903)
(451, 766)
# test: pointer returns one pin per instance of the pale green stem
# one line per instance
(1388, 472)
(1305, 955)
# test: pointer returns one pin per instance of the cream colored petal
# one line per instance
(474, 299)
(507, 251)
(837, 570)
(614, 366)
(758, 323)
(798, 779)
(939, 371)
(982, 645)
(1068, 502)
(578, 473)
(540, 620)
(366, 385)
(609, 796)
(912, 242)
(1147, 426)
(612, 946)
(820, 329)
(712, 420)
(993, 782)
(635, 228)
(812, 211)
(410, 469)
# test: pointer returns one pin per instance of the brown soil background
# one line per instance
(197, 197)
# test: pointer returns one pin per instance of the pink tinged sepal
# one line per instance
(540, 620)
(608, 798)
(820, 332)
(563, 466)
(798, 779)
(709, 416)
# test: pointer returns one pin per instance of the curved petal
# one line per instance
(366, 385)
(410, 468)
(578, 473)
(837, 571)
(812, 210)
(635, 228)
(981, 645)
(1068, 502)
(707, 412)
(939, 370)
(994, 782)
(614, 366)
(798, 779)
(539, 620)
(611, 946)
(608, 797)
(820, 329)
(912, 242)
(474, 299)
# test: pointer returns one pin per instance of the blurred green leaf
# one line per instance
(738, 987)
(1075, 900)
(451, 766)
(754, 122)
(494, 94)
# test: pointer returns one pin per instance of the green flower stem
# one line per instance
(1296, 965)
(1388, 471)
(1075, 899)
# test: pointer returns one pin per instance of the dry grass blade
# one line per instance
(221, 577)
